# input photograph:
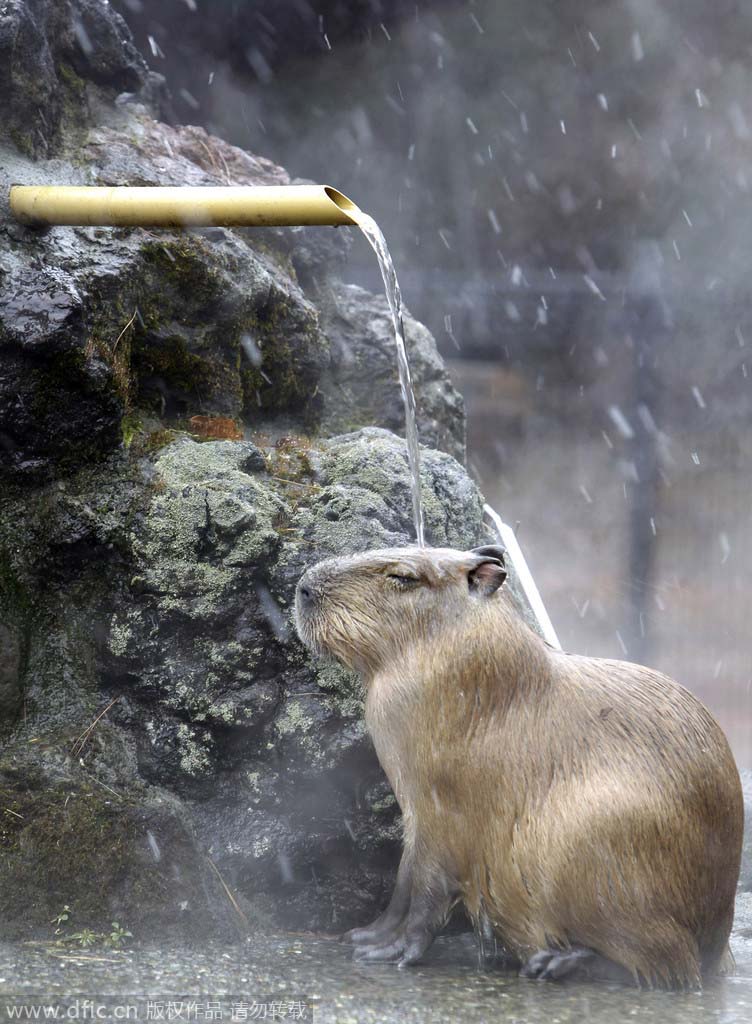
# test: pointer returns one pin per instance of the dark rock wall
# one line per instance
(187, 420)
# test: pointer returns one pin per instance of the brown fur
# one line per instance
(567, 801)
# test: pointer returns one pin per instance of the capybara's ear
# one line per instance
(491, 551)
(486, 576)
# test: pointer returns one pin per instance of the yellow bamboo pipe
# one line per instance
(183, 206)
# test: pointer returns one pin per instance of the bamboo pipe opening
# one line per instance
(341, 200)
(182, 206)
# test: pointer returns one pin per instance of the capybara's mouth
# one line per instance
(302, 625)
(313, 625)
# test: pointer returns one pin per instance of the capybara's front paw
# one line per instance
(357, 935)
(365, 936)
(381, 932)
(388, 952)
(405, 948)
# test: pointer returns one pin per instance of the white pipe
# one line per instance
(511, 544)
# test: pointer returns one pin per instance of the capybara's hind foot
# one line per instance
(555, 964)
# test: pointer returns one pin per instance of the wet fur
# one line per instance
(569, 802)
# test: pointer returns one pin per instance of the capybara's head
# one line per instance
(365, 608)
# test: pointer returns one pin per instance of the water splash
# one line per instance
(375, 236)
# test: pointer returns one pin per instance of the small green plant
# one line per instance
(87, 937)
(117, 936)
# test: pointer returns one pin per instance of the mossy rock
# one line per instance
(67, 841)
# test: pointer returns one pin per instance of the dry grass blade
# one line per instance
(129, 324)
(238, 909)
(78, 746)
(77, 957)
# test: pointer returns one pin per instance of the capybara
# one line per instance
(588, 811)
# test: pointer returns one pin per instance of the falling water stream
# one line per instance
(375, 236)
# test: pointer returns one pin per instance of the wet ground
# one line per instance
(300, 977)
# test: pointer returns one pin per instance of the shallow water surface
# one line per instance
(289, 968)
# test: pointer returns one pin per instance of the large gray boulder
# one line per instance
(187, 420)
(161, 588)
